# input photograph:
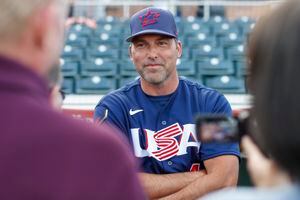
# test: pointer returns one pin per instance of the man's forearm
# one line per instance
(199, 187)
(160, 185)
(221, 172)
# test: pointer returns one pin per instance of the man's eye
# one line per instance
(140, 45)
(162, 43)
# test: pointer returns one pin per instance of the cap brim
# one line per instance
(150, 31)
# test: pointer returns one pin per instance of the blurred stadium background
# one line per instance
(214, 34)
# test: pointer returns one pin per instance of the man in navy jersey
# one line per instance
(156, 113)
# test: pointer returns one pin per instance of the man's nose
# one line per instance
(152, 53)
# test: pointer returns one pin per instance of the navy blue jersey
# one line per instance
(161, 129)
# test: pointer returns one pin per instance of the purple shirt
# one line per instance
(46, 155)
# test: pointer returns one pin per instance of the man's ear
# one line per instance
(179, 48)
(130, 51)
(40, 22)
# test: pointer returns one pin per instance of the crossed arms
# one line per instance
(220, 172)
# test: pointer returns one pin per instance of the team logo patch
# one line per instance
(166, 142)
(150, 17)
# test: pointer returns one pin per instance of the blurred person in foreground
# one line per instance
(157, 114)
(44, 154)
(274, 81)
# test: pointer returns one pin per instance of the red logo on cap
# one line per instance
(149, 18)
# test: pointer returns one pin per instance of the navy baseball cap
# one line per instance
(152, 21)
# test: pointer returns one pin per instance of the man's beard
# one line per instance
(156, 78)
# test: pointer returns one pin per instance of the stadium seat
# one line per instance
(191, 29)
(114, 29)
(191, 19)
(127, 68)
(241, 68)
(185, 53)
(248, 29)
(95, 85)
(80, 30)
(72, 53)
(226, 84)
(105, 39)
(108, 20)
(74, 40)
(99, 66)
(245, 24)
(207, 51)
(186, 67)
(224, 28)
(215, 66)
(235, 53)
(179, 23)
(68, 85)
(126, 32)
(231, 39)
(69, 67)
(102, 51)
(200, 39)
(124, 53)
(123, 42)
(215, 21)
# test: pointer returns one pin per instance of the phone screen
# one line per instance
(216, 128)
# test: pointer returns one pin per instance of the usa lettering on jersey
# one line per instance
(166, 142)
(162, 145)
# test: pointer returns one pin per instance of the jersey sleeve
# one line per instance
(110, 112)
(217, 103)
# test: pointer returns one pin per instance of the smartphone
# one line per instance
(221, 128)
